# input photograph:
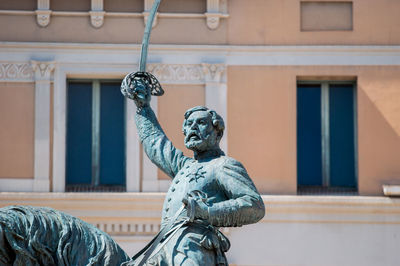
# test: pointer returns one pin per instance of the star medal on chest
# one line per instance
(195, 175)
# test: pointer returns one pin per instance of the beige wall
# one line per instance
(17, 130)
(70, 5)
(277, 22)
(183, 6)
(114, 30)
(252, 22)
(123, 5)
(265, 105)
(18, 5)
(171, 108)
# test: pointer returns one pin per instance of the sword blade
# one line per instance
(146, 36)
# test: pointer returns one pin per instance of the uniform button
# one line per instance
(177, 181)
(169, 199)
(166, 209)
(173, 189)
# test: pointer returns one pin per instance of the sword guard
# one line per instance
(135, 81)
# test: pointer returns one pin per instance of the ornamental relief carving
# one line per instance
(42, 69)
(43, 17)
(16, 72)
(196, 73)
(97, 18)
(166, 73)
(137, 229)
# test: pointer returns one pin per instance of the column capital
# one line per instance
(213, 72)
(42, 69)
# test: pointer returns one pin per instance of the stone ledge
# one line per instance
(391, 190)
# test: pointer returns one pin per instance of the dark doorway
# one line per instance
(95, 158)
(326, 143)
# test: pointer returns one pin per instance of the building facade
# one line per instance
(309, 90)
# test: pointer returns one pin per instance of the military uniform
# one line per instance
(232, 198)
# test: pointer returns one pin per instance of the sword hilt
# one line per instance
(137, 84)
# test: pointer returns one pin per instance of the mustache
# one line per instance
(191, 134)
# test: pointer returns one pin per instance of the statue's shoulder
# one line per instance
(230, 163)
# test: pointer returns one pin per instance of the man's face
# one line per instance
(200, 132)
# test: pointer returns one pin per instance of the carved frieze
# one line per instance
(16, 72)
(173, 73)
(137, 229)
(189, 73)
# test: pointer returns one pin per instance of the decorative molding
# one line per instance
(42, 69)
(136, 229)
(43, 4)
(213, 20)
(97, 18)
(213, 72)
(187, 73)
(213, 6)
(128, 229)
(177, 74)
(97, 5)
(43, 12)
(21, 72)
(43, 17)
(97, 13)
(213, 14)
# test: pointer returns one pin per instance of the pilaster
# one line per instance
(42, 72)
(216, 94)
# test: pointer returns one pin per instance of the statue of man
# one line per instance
(208, 191)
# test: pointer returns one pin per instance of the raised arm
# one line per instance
(157, 146)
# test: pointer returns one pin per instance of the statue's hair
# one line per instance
(43, 236)
(217, 120)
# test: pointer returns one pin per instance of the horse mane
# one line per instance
(44, 236)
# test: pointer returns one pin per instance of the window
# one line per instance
(326, 142)
(95, 158)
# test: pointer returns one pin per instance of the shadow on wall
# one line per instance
(378, 138)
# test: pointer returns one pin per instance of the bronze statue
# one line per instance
(208, 191)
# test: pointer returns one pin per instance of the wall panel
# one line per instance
(17, 130)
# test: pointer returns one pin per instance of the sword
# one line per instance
(141, 80)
